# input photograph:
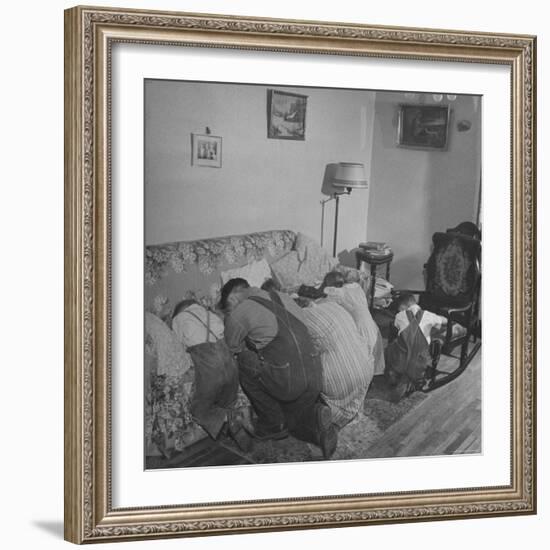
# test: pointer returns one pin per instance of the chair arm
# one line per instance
(407, 291)
(452, 310)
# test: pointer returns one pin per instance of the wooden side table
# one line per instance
(374, 261)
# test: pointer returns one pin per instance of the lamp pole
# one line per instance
(337, 198)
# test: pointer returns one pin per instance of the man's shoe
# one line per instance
(265, 433)
(236, 430)
(329, 441)
(328, 435)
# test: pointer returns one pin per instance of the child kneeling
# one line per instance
(408, 357)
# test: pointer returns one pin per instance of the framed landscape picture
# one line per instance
(424, 126)
(224, 372)
(286, 113)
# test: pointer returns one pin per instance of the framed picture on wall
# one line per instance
(286, 115)
(206, 150)
(423, 126)
(148, 453)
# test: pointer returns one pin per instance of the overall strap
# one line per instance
(276, 306)
(414, 316)
(276, 298)
(414, 320)
(283, 317)
(269, 306)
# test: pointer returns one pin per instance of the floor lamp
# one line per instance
(347, 176)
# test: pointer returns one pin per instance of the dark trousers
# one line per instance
(298, 414)
(216, 385)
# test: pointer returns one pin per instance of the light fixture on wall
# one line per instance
(347, 176)
(439, 97)
(421, 97)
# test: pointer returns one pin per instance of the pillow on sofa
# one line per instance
(314, 255)
(286, 271)
(307, 265)
(255, 273)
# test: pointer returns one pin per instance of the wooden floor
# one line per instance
(448, 421)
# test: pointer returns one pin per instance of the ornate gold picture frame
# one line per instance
(90, 35)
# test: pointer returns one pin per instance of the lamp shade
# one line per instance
(350, 174)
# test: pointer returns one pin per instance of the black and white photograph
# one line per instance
(317, 299)
(206, 150)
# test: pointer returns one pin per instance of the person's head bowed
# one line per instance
(233, 293)
(333, 279)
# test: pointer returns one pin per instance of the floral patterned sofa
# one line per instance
(183, 270)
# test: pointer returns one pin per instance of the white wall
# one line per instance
(31, 462)
(439, 188)
(262, 183)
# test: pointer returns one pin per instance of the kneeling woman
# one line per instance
(347, 364)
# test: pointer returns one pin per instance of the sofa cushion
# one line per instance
(256, 273)
(313, 257)
(306, 265)
(286, 271)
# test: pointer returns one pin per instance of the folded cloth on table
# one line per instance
(382, 293)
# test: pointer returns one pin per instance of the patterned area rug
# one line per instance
(354, 440)
(378, 414)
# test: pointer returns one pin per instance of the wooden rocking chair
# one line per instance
(453, 281)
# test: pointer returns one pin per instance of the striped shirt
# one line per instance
(348, 365)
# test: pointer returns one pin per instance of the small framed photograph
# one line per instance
(206, 150)
(423, 126)
(286, 115)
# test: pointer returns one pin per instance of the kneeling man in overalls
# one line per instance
(279, 368)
